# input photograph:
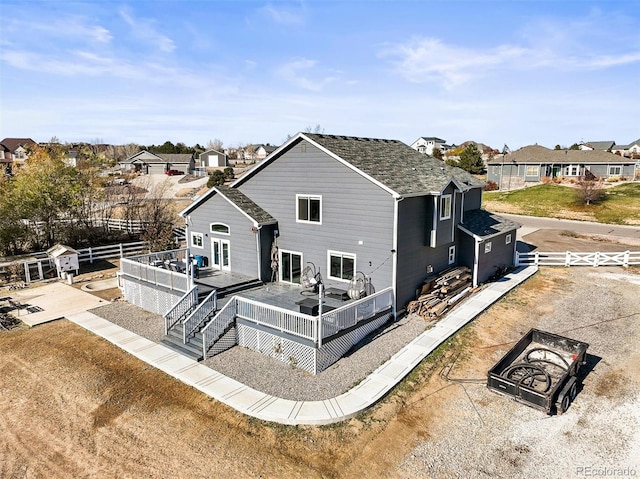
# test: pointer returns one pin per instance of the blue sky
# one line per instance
(499, 72)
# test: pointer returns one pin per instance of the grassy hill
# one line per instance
(618, 205)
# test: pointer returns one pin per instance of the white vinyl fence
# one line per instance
(43, 267)
(569, 258)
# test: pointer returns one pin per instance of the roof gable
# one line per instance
(239, 200)
(12, 144)
(391, 164)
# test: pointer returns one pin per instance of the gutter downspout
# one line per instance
(394, 252)
(476, 258)
(259, 251)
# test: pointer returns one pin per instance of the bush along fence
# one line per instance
(43, 266)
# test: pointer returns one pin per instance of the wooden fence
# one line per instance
(570, 258)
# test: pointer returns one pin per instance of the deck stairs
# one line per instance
(192, 348)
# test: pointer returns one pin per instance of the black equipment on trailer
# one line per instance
(540, 371)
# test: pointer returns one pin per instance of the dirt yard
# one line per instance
(74, 406)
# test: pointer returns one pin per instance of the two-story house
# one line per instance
(350, 204)
(345, 208)
(427, 144)
(14, 151)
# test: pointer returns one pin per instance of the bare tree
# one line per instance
(159, 218)
(589, 189)
(215, 144)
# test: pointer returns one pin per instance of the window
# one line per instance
(571, 170)
(487, 247)
(452, 254)
(197, 240)
(341, 265)
(309, 209)
(532, 170)
(507, 239)
(290, 267)
(615, 170)
(219, 228)
(445, 207)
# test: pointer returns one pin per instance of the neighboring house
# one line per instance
(262, 151)
(213, 158)
(426, 144)
(14, 150)
(632, 150)
(158, 163)
(598, 145)
(531, 165)
(350, 204)
(71, 158)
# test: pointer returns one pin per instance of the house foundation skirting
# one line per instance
(304, 356)
(149, 297)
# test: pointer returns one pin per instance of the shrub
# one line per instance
(491, 186)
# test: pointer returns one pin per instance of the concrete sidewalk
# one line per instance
(269, 408)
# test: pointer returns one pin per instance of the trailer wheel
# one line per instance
(563, 404)
(573, 392)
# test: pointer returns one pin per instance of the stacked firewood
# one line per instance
(441, 293)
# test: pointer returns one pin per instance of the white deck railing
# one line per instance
(155, 275)
(348, 315)
(182, 308)
(199, 315)
(212, 331)
(291, 322)
(569, 258)
(284, 320)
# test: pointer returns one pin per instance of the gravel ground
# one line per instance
(274, 377)
(483, 434)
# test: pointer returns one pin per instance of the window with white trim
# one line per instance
(445, 207)
(533, 170)
(507, 239)
(308, 209)
(197, 240)
(615, 170)
(219, 228)
(452, 254)
(487, 247)
(342, 266)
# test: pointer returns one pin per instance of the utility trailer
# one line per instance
(540, 371)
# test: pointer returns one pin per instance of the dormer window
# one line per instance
(445, 207)
(309, 209)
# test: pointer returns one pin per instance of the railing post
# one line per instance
(536, 258)
(625, 261)
(90, 255)
(121, 251)
(567, 259)
(27, 276)
(40, 273)
(596, 259)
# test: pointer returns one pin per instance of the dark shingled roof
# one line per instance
(395, 164)
(482, 223)
(243, 202)
(537, 154)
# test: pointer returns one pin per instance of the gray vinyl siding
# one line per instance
(446, 229)
(466, 249)
(354, 210)
(414, 253)
(473, 199)
(243, 243)
(501, 255)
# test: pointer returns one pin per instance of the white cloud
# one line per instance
(145, 31)
(283, 16)
(301, 72)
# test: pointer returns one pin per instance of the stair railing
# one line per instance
(185, 305)
(205, 310)
(218, 324)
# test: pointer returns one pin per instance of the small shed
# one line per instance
(65, 258)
